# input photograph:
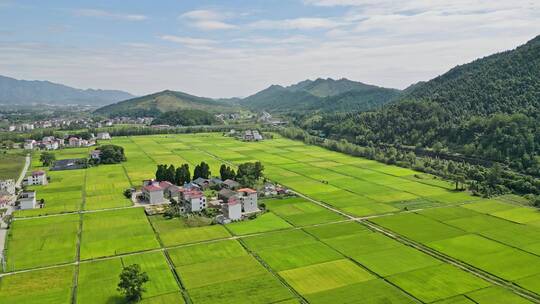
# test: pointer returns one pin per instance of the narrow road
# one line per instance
(9, 211)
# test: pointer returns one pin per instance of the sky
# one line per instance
(237, 47)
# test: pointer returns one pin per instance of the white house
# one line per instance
(232, 210)
(27, 200)
(152, 192)
(29, 144)
(7, 186)
(12, 128)
(248, 199)
(104, 136)
(193, 200)
(37, 178)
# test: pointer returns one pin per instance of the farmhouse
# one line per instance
(193, 200)
(248, 199)
(153, 192)
(230, 184)
(27, 200)
(231, 210)
(38, 177)
(205, 183)
(5, 201)
(29, 144)
(103, 136)
(7, 187)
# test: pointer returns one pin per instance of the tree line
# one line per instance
(481, 180)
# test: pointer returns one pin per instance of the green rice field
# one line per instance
(324, 245)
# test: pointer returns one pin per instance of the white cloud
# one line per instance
(194, 43)
(296, 24)
(109, 15)
(208, 20)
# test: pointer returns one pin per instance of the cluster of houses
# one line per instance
(234, 203)
(53, 143)
(247, 135)
(81, 122)
(26, 199)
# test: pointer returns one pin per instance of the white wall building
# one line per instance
(37, 178)
(29, 144)
(104, 136)
(27, 200)
(193, 200)
(232, 210)
(248, 199)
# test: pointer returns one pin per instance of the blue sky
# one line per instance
(235, 48)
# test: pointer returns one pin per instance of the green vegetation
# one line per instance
(49, 286)
(132, 281)
(41, 242)
(11, 164)
(110, 233)
(324, 95)
(98, 280)
(155, 104)
(111, 154)
(295, 246)
(47, 158)
(185, 118)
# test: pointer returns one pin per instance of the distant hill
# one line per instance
(161, 102)
(321, 94)
(25, 92)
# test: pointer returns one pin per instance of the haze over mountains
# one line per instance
(25, 92)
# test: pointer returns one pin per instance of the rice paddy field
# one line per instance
(357, 232)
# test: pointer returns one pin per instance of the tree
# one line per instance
(249, 173)
(202, 170)
(131, 283)
(111, 154)
(170, 174)
(182, 175)
(161, 174)
(226, 172)
(47, 158)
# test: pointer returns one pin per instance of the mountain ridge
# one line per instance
(26, 92)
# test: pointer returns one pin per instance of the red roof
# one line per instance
(152, 188)
(232, 201)
(39, 172)
(165, 184)
(247, 190)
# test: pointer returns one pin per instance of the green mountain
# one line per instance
(161, 102)
(506, 82)
(487, 109)
(327, 95)
(26, 92)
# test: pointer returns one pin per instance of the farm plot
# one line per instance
(109, 233)
(49, 286)
(301, 212)
(11, 165)
(176, 232)
(263, 223)
(98, 280)
(42, 242)
(64, 193)
(235, 276)
(481, 240)
(105, 185)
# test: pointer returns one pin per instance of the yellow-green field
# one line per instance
(345, 239)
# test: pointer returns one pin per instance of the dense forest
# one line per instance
(487, 109)
(185, 118)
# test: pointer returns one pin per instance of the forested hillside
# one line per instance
(487, 109)
(161, 102)
(326, 95)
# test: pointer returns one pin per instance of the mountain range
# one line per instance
(25, 92)
(309, 95)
